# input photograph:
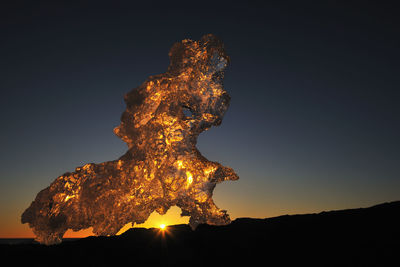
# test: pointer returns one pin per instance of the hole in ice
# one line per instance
(188, 113)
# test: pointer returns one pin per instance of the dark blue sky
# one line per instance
(314, 118)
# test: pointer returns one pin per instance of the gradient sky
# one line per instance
(314, 118)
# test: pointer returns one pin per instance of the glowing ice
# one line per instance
(162, 167)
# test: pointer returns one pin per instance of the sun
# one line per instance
(162, 226)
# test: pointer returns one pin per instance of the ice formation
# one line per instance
(162, 167)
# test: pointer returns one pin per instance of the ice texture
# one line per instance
(162, 167)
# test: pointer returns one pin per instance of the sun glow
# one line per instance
(162, 226)
(189, 178)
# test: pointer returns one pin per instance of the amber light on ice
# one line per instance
(162, 167)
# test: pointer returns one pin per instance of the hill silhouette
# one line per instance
(354, 237)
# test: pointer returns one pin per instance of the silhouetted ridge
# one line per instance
(353, 237)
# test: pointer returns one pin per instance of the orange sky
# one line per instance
(10, 226)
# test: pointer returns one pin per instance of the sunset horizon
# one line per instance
(227, 132)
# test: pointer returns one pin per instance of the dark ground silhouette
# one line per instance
(356, 237)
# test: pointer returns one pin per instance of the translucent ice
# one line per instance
(162, 167)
